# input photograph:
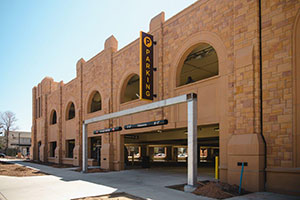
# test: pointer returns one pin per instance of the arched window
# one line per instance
(131, 89)
(95, 102)
(70, 111)
(53, 117)
(201, 63)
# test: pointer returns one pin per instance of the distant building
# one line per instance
(19, 140)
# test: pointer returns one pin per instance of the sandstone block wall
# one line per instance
(231, 99)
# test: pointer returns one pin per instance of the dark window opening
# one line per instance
(132, 89)
(39, 105)
(71, 111)
(95, 104)
(41, 110)
(52, 149)
(70, 144)
(95, 147)
(53, 119)
(39, 150)
(36, 108)
(200, 64)
(38, 111)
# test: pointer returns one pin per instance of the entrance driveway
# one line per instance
(63, 183)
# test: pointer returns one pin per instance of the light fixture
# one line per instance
(217, 129)
(200, 54)
(136, 94)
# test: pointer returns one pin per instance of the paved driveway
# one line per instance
(64, 183)
(68, 184)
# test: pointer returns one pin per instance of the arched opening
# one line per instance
(95, 103)
(70, 111)
(131, 90)
(201, 63)
(53, 117)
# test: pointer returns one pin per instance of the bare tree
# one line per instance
(8, 123)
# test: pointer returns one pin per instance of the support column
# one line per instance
(84, 149)
(192, 140)
(168, 151)
(151, 153)
(209, 154)
(175, 155)
(143, 150)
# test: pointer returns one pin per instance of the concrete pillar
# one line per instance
(175, 154)
(143, 150)
(151, 153)
(84, 149)
(168, 151)
(192, 140)
(209, 154)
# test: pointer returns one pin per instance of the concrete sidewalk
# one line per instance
(67, 184)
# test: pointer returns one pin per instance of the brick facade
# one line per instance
(232, 99)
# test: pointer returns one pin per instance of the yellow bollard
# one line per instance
(217, 168)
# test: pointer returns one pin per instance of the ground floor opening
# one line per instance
(167, 149)
(94, 151)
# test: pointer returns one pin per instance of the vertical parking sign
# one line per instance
(146, 66)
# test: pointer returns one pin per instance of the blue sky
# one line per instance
(47, 38)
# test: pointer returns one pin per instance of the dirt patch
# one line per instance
(214, 189)
(114, 196)
(50, 164)
(94, 170)
(8, 169)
